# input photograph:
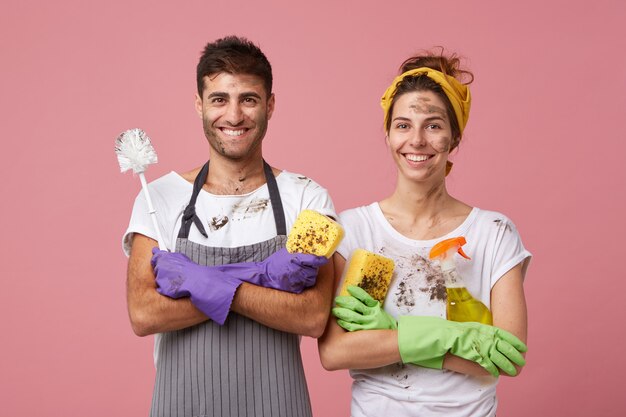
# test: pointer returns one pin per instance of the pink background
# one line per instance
(545, 144)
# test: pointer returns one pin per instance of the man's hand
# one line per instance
(292, 272)
(284, 271)
(212, 288)
(209, 289)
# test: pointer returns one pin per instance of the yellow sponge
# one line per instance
(315, 234)
(370, 271)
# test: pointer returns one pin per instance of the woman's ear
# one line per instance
(454, 143)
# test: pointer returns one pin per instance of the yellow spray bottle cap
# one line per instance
(444, 246)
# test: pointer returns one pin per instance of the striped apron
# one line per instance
(242, 368)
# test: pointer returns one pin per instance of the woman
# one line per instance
(429, 366)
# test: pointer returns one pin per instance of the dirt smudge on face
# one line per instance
(442, 144)
(422, 105)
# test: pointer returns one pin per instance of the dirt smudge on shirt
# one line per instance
(217, 223)
(502, 224)
(419, 274)
(401, 374)
(250, 208)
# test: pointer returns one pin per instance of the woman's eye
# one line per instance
(433, 126)
(402, 126)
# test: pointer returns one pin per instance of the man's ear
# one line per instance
(198, 104)
(271, 102)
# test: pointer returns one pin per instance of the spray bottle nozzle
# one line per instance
(444, 246)
(460, 303)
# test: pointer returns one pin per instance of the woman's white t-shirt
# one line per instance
(418, 288)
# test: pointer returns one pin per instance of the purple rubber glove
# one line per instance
(291, 272)
(211, 290)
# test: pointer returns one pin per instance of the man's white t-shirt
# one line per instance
(417, 288)
(229, 220)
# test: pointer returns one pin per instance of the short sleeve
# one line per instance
(349, 221)
(168, 194)
(316, 197)
(140, 222)
(509, 250)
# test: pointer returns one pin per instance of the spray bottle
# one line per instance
(461, 305)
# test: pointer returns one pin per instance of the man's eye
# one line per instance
(217, 100)
(249, 100)
(433, 126)
(402, 126)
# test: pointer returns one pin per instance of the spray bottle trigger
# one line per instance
(463, 254)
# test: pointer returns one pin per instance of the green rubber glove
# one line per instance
(359, 311)
(426, 340)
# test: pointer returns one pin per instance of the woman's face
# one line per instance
(420, 135)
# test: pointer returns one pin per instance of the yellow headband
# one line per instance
(457, 93)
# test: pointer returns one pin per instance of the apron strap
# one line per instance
(189, 215)
(277, 204)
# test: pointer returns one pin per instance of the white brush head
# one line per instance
(134, 150)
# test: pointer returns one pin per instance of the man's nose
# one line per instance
(234, 115)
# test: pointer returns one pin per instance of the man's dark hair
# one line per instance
(233, 55)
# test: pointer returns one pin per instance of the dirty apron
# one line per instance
(242, 368)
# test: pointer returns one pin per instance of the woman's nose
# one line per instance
(418, 139)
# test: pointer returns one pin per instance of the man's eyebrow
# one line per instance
(223, 94)
(217, 94)
(249, 94)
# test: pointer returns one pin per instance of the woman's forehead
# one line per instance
(421, 102)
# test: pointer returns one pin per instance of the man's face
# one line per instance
(235, 109)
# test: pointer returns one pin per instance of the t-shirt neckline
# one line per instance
(203, 191)
(461, 230)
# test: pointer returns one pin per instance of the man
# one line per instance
(235, 210)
